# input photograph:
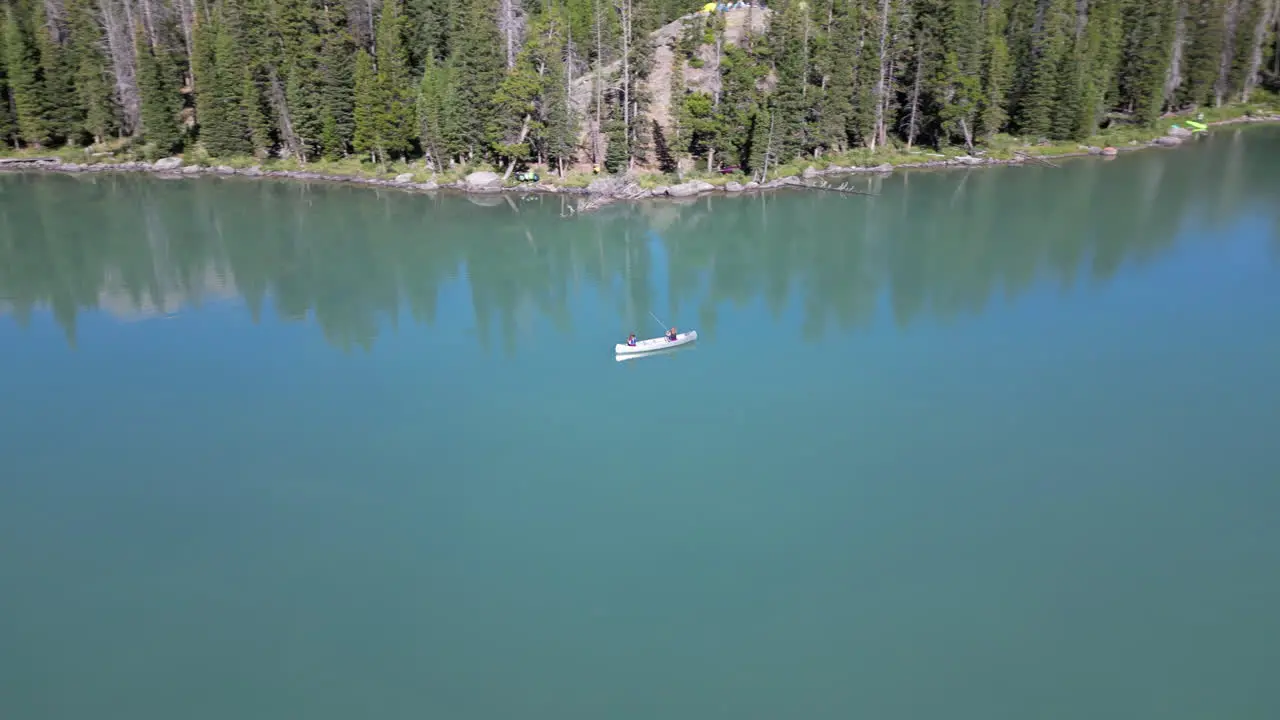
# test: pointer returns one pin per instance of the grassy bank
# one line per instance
(1000, 148)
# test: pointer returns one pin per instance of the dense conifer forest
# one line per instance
(616, 84)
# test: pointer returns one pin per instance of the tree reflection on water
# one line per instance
(936, 245)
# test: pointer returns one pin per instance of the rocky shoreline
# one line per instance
(601, 191)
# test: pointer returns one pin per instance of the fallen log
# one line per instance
(1036, 158)
(12, 161)
(841, 189)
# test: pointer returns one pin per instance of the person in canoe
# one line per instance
(632, 340)
(671, 335)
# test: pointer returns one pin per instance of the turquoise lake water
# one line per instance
(993, 444)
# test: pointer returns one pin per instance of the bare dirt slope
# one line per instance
(658, 85)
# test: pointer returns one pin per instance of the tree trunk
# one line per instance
(877, 130)
(186, 15)
(626, 74)
(1173, 75)
(123, 68)
(55, 21)
(1230, 18)
(804, 86)
(149, 23)
(524, 130)
(568, 85)
(292, 143)
(595, 144)
(719, 85)
(915, 94)
(1267, 15)
(507, 21)
(768, 150)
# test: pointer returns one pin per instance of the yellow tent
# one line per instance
(709, 7)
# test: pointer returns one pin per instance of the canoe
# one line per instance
(664, 352)
(652, 344)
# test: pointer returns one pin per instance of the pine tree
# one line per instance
(204, 70)
(996, 76)
(615, 154)
(299, 115)
(26, 92)
(1204, 47)
(559, 132)
(837, 63)
(337, 90)
(666, 163)
(476, 49)
(861, 21)
(160, 100)
(8, 123)
(1036, 113)
(224, 129)
(395, 116)
(514, 107)
(1147, 45)
(367, 110)
(1073, 90)
(738, 98)
(255, 116)
(93, 85)
(761, 153)
(787, 31)
(428, 37)
(679, 119)
(63, 115)
(434, 122)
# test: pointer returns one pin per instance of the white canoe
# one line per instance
(664, 352)
(652, 344)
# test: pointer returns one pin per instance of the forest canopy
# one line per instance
(611, 83)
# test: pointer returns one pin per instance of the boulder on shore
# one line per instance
(693, 187)
(811, 172)
(732, 187)
(1169, 141)
(1179, 132)
(169, 163)
(403, 178)
(660, 190)
(483, 180)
